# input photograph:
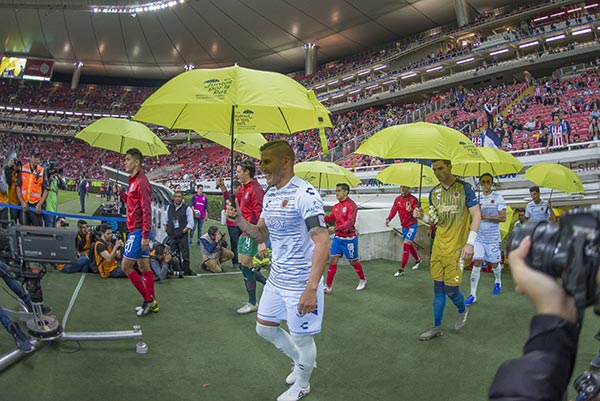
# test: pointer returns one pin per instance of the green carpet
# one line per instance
(200, 349)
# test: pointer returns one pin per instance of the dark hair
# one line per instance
(212, 230)
(249, 166)
(199, 186)
(534, 188)
(486, 175)
(282, 148)
(343, 186)
(34, 152)
(236, 184)
(178, 192)
(104, 227)
(136, 154)
(81, 223)
(446, 162)
(158, 249)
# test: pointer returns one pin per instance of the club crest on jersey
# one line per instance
(344, 209)
(492, 201)
(284, 203)
(455, 195)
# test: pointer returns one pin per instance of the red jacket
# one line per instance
(343, 215)
(139, 210)
(250, 197)
(404, 206)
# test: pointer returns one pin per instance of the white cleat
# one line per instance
(416, 266)
(247, 308)
(294, 393)
(361, 285)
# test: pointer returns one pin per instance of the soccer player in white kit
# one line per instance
(293, 219)
(488, 240)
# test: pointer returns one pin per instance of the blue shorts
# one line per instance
(133, 246)
(410, 233)
(346, 247)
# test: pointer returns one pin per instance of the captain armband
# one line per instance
(315, 221)
(472, 237)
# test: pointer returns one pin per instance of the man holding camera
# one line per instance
(538, 209)
(454, 209)
(84, 240)
(214, 249)
(164, 264)
(178, 221)
(107, 254)
(32, 190)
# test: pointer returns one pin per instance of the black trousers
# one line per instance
(180, 246)
(31, 218)
(234, 238)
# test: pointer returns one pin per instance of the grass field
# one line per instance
(200, 349)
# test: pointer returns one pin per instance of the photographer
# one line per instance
(107, 254)
(55, 183)
(214, 252)
(543, 372)
(84, 241)
(178, 221)
(163, 264)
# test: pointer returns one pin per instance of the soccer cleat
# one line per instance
(361, 285)
(595, 362)
(190, 243)
(399, 273)
(470, 300)
(328, 290)
(462, 319)
(247, 308)
(435, 331)
(497, 289)
(154, 306)
(145, 308)
(416, 266)
(294, 393)
(20, 338)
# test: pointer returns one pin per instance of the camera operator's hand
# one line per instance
(119, 244)
(168, 257)
(218, 236)
(544, 291)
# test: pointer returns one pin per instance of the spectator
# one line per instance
(214, 250)
(200, 206)
(525, 146)
(82, 188)
(529, 125)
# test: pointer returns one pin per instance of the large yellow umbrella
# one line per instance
(119, 135)
(420, 141)
(248, 144)
(496, 162)
(506, 226)
(407, 174)
(325, 174)
(555, 176)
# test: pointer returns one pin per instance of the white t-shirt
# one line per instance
(489, 231)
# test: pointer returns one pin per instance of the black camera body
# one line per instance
(569, 250)
(587, 385)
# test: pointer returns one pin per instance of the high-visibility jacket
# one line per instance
(31, 183)
(13, 199)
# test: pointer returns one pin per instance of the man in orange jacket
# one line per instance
(32, 190)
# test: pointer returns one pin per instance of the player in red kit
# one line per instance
(139, 225)
(404, 206)
(345, 240)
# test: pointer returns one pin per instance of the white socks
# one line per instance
(308, 356)
(498, 273)
(281, 340)
(475, 274)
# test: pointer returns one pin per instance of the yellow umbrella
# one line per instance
(506, 226)
(119, 135)
(325, 174)
(407, 174)
(420, 141)
(555, 176)
(496, 162)
(248, 144)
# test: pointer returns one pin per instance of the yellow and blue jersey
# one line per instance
(454, 220)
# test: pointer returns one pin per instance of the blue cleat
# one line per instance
(497, 289)
(470, 300)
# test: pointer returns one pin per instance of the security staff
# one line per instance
(32, 190)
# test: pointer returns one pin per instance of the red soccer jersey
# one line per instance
(404, 206)
(343, 215)
(139, 210)
(250, 197)
(226, 197)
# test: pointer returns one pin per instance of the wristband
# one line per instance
(472, 237)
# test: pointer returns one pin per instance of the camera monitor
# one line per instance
(43, 244)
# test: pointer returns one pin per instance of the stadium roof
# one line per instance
(128, 40)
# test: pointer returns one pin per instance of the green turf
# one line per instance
(200, 349)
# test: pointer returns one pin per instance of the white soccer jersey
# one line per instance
(284, 212)
(537, 211)
(489, 231)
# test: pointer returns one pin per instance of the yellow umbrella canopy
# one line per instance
(248, 144)
(555, 176)
(234, 100)
(496, 162)
(408, 174)
(119, 135)
(506, 226)
(420, 141)
(325, 174)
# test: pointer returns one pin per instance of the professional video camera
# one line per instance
(569, 250)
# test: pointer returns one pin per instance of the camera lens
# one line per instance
(544, 241)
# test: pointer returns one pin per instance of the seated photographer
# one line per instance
(543, 372)
(214, 250)
(163, 263)
(84, 241)
(107, 254)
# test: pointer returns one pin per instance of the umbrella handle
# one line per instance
(420, 185)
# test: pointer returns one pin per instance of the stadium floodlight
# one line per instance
(439, 67)
(540, 18)
(336, 96)
(354, 91)
(557, 14)
(319, 86)
(363, 72)
(410, 75)
(574, 10)
(348, 78)
(553, 38)
(591, 6)
(581, 31)
(335, 81)
(388, 82)
(323, 99)
(498, 52)
(529, 44)
(466, 60)
(134, 8)
(379, 67)
(372, 86)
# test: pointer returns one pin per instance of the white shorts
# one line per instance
(488, 252)
(277, 304)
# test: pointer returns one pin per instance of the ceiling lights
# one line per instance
(134, 9)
